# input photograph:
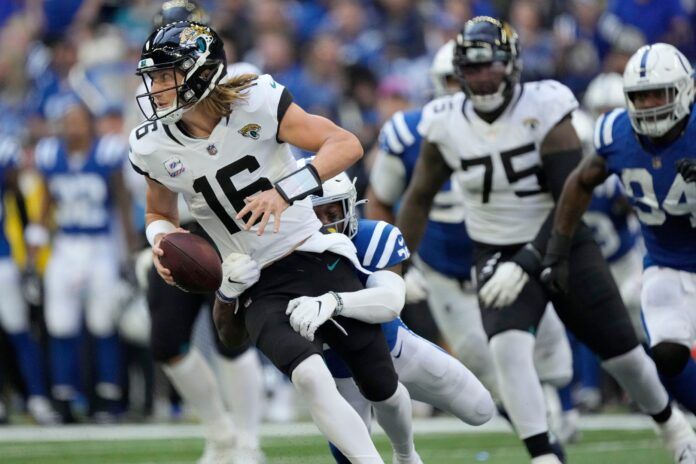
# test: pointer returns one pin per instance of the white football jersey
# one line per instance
(497, 166)
(240, 158)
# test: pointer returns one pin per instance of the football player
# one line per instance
(512, 146)
(225, 147)
(82, 176)
(643, 145)
(173, 314)
(443, 270)
(14, 311)
(429, 373)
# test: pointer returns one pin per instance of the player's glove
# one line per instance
(555, 264)
(416, 286)
(307, 314)
(687, 168)
(32, 290)
(502, 283)
(239, 272)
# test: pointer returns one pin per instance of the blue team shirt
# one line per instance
(379, 245)
(664, 202)
(446, 247)
(610, 225)
(81, 189)
(9, 159)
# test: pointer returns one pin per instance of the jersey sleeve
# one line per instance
(388, 178)
(556, 101)
(603, 139)
(10, 153)
(46, 155)
(385, 248)
(270, 98)
(430, 124)
(139, 147)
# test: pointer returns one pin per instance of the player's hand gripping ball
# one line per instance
(194, 264)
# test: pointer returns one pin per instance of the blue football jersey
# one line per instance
(664, 202)
(612, 228)
(9, 159)
(379, 245)
(80, 187)
(446, 246)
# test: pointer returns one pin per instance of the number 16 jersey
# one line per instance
(497, 166)
(240, 158)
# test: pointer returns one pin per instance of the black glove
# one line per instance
(32, 290)
(687, 168)
(555, 263)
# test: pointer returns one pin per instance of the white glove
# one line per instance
(307, 314)
(416, 286)
(239, 272)
(504, 286)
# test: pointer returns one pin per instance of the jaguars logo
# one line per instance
(253, 131)
(195, 35)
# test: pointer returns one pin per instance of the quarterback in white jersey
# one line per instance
(510, 147)
(224, 147)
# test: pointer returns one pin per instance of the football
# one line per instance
(194, 263)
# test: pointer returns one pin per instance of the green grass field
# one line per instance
(597, 447)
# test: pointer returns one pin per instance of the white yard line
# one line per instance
(304, 429)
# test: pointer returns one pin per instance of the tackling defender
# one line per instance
(224, 147)
(512, 147)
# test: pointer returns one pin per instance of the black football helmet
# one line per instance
(172, 11)
(188, 48)
(485, 40)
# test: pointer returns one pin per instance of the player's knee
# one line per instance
(230, 329)
(101, 323)
(670, 358)
(377, 378)
(231, 352)
(165, 351)
(62, 327)
(310, 375)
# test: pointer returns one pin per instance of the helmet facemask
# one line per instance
(658, 120)
(340, 190)
(487, 42)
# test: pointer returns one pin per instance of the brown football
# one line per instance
(194, 263)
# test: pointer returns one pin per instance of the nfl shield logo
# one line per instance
(212, 150)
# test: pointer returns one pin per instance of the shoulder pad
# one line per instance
(111, 150)
(435, 111)
(265, 95)
(46, 153)
(10, 152)
(144, 138)
(604, 129)
(553, 101)
(381, 245)
(400, 132)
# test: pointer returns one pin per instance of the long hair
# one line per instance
(225, 95)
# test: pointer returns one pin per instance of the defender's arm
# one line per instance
(430, 173)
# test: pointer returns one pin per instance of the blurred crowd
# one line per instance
(356, 62)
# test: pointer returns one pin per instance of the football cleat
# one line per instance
(679, 438)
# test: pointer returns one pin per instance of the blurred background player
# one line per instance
(234, 380)
(644, 145)
(430, 374)
(14, 311)
(82, 175)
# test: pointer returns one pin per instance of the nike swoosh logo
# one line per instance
(401, 347)
(319, 308)
(331, 267)
(233, 281)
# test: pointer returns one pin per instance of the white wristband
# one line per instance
(157, 227)
(36, 235)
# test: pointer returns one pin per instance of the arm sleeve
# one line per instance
(381, 301)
